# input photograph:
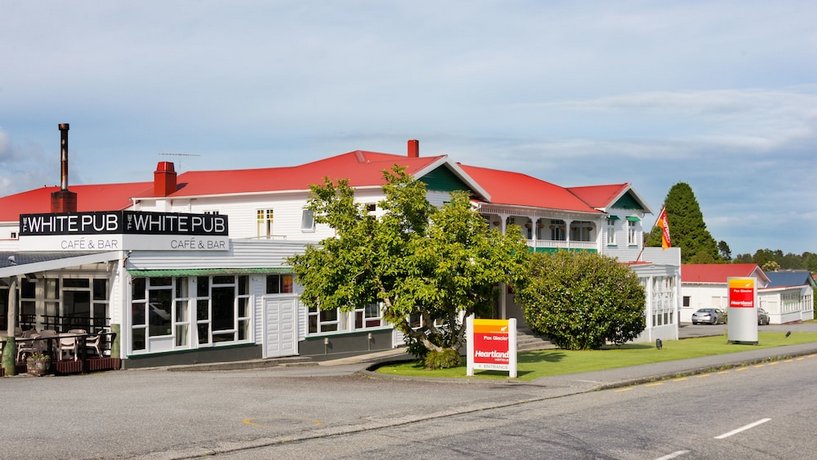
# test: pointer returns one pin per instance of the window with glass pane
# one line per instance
(368, 316)
(138, 289)
(264, 219)
(160, 312)
(138, 339)
(279, 284)
(307, 221)
(322, 321)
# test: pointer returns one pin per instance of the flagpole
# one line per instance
(643, 245)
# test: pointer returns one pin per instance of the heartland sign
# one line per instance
(491, 345)
(123, 230)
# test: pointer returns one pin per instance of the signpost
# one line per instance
(742, 323)
(491, 345)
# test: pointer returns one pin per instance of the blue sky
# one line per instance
(720, 95)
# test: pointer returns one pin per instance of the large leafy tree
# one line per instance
(582, 300)
(417, 259)
(687, 227)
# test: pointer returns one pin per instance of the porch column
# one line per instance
(503, 223)
(503, 313)
(10, 350)
(568, 223)
(648, 295)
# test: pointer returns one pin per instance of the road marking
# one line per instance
(758, 366)
(743, 428)
(680, 379)
(799, 359)
(250, 422)
(621, 390)
(787, 360)
(774, 363)
(673, 455)
(703, 376)
(723, 372)
(654, 384)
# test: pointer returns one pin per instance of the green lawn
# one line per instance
(535, 364)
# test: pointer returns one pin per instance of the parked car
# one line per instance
(762, 317)
(709, 316)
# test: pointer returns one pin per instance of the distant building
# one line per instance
(786, 296)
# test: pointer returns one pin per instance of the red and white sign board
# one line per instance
(743, 303)
(491, 345)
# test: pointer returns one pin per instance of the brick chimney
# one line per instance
(164, 179)
(413, 148)
(63, 200)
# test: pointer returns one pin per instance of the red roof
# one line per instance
(360, 167)
(512, 188)
(717, 273)
(99, 197)
(599, 196)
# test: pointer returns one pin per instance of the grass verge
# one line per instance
(535, 364)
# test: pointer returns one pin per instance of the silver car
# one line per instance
(708, 316)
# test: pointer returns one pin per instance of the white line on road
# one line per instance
(743, 428)
(673, 455)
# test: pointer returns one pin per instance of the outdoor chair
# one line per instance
(94, 344)
(29, 346)
(68, 346)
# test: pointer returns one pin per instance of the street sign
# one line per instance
(742, 322)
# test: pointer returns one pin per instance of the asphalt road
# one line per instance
(757, 412)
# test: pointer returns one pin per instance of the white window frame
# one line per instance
(307, 214)
(323, 326)
(263, 222)
(366, 319)
(632, 233)
(611, 231)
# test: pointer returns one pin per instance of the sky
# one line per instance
(721, 95)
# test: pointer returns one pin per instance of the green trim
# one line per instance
(552, 250)
(208, 271)
(442, 179)
(628, 201)
(613, 218)
(183, 351)
(633, 219)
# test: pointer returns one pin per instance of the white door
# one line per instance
(280, 326)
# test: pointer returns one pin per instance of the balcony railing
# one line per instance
(561, 244)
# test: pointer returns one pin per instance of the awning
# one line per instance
(613, 218)
(20, 263)
(175, 272)
(633, 219)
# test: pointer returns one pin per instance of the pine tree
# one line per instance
(687, 227)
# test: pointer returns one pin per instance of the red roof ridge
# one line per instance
(515, 173)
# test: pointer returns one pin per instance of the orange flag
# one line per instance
(663, 224)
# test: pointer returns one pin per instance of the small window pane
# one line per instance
(273, 284)
(223, 280)
(203, 286)
(181, 287)
(75, 282)
(243, 307)
(161, 281)
(181, 335)
(204, 333)
(139, 339)
(313, 324)
(243, 330)
(182, 312)
(286, 284)
(202, 309)
(138, 314)
(139, 288)
(307, 220)
(100, 289)
(242, 285)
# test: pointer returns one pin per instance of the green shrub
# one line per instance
(442, 359)
(582, 300)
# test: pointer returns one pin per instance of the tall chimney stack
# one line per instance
(164, 179)
(63, 200)
(413, 148)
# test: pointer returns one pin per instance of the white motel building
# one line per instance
(192, 267)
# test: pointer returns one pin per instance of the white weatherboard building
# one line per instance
(131, 259)
(787, 296)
